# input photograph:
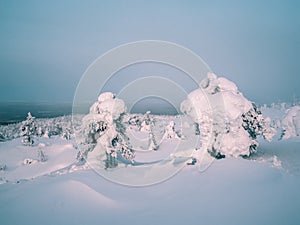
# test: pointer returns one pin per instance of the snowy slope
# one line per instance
(59, 154)
(231, 191)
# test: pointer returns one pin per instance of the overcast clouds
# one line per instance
(47, 45)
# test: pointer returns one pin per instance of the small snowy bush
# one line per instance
(29, 161)
(41, 156)
(2, 167)
(66, 134)
(170, 132)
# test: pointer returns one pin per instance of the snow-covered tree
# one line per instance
(40, 131)
(135, 120)
(291, 123)
(66, 134)
(2, 138)
(103, 127)
(28, 129)
(46, 133)
(56, 129)
(197, 128)
(229, 123)
(91, 129)
(147, 125)
(255, 124)
(41, 156)
(170, 132)
(146, 122)
(2, 167)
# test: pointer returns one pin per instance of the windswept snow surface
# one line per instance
(59, 154)
(263, 189)
(232, 191)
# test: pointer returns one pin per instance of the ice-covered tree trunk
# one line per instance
(28, 130)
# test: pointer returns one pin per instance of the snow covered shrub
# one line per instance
(41, 156)
(103, 127)
(66, 134)
(170, 132)
(291, 123)
(29, 161)
(197, 128)
(28, 129)
(228, 122)
(152, 145)
(2, 138)
(2, 167)
(56, 129)
(39, 131)
(255, 124)
(147, 125)
(135, 120)
(46, 133)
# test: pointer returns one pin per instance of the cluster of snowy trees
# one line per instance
(105, 126)
(146, 123)
(228, 124)
(32, 127)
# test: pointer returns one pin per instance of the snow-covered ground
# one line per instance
(231, 191)
(262, 189)
(211, 165)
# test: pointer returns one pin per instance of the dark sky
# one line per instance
(47, 45)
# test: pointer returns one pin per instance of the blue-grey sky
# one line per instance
(45, 46)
